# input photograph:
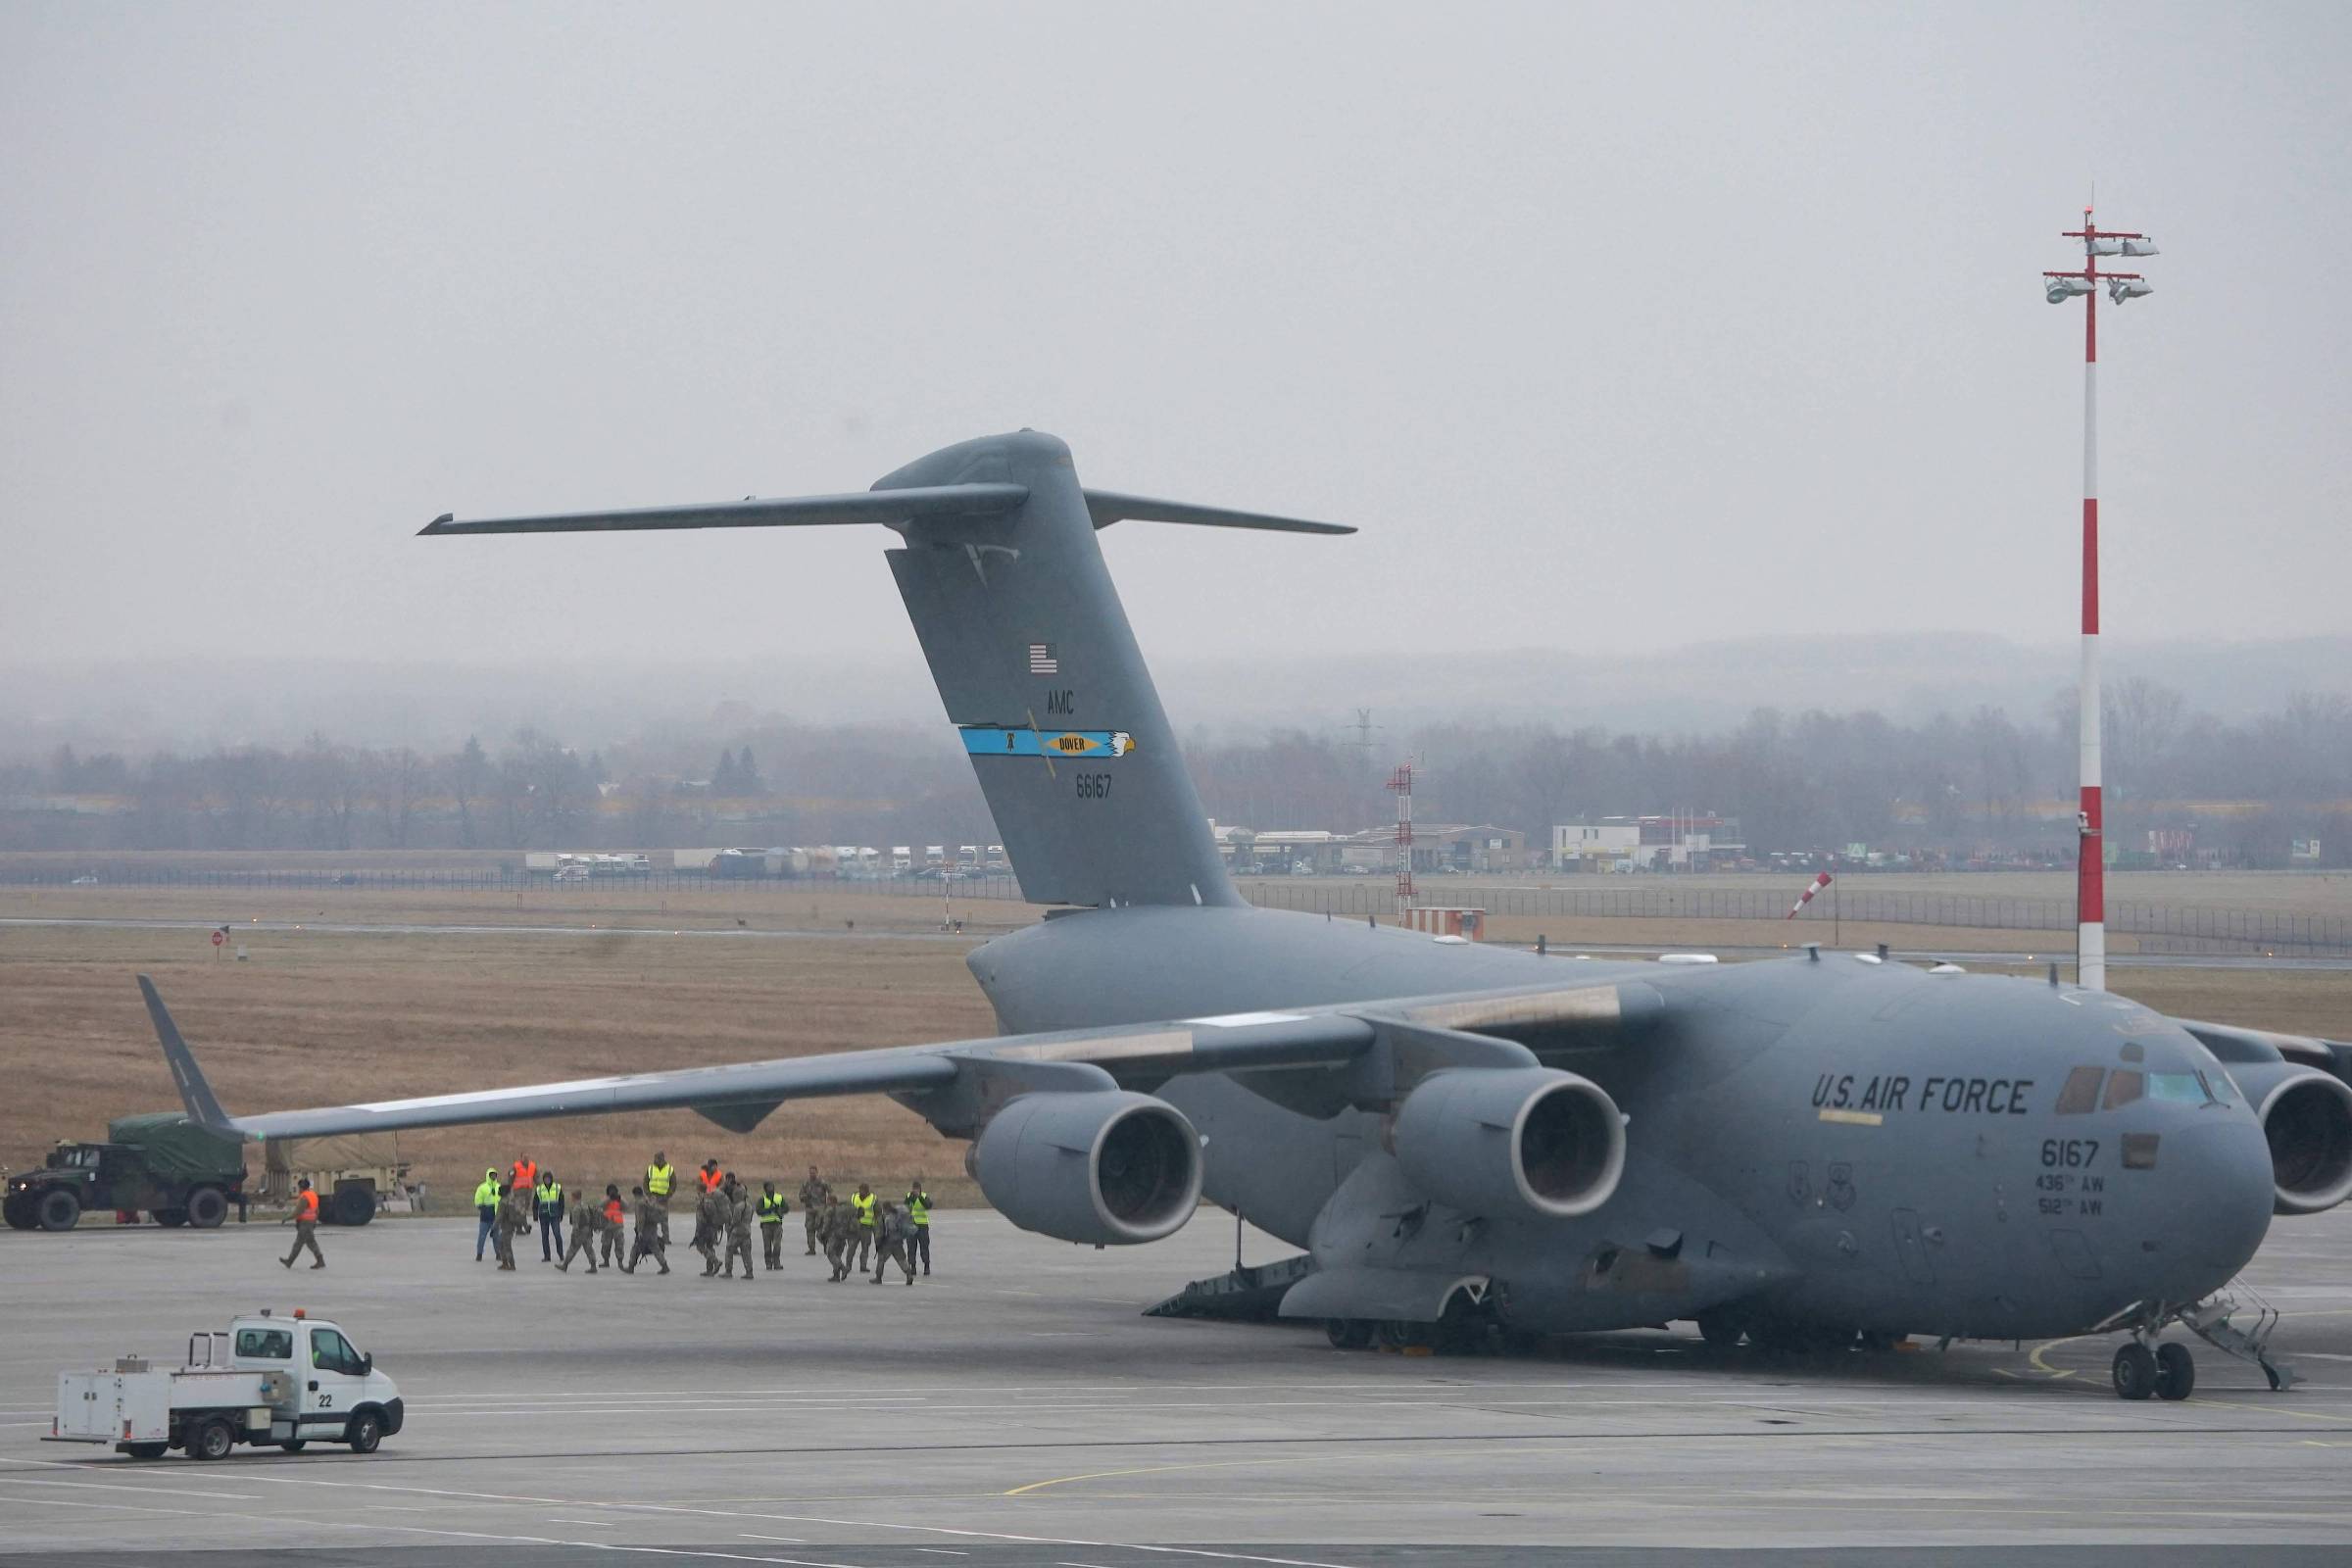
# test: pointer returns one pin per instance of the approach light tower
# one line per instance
(2091, 896)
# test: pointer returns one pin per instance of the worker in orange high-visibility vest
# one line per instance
(708, 1176)
(608, 1229)
(305, 1220)
(524, 1177)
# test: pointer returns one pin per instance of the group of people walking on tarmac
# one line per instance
(725, 1211)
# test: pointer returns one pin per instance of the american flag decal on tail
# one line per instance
(1042, 659)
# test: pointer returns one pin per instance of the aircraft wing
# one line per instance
(958, 1082)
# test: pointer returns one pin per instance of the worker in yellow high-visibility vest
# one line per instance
(770, 1208)
(485, 1208)
(919, 1209)
(661, 1179)
(863, 1202)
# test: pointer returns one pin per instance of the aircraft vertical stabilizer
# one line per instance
(1031, 650)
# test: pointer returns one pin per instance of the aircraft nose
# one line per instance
(2219, 1180)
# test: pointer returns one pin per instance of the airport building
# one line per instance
(1683, 841)
(1317, 851)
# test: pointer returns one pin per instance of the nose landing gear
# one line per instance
(2168, 1372)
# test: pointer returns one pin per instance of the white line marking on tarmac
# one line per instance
(998, 1535)
(151, 1491)
(722, 1556)
(781, 1541)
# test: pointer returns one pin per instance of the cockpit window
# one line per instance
(2219, 1086)
(2186, 1087)
(2080, 1094)
(2124, 1085)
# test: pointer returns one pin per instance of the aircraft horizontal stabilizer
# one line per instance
(886, 506)
(1108, 506)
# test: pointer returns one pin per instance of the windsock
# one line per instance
(1806, 897)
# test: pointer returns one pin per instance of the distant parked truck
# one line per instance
(160, 1163)
(356, 1176)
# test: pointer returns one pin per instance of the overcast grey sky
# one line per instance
(1614, 327)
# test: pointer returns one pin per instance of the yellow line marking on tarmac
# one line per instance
(2044, 1367)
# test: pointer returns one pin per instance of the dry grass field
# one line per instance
(316, 1017)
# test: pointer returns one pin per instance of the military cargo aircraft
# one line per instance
(1822, 1151)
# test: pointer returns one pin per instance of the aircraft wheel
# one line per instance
(1348, 1333)
(58, 1210)
(1397, 1334)
(2134, 1371)
(2176, 1372)
(1721, 1330)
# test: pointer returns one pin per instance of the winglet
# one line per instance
(204, 1107)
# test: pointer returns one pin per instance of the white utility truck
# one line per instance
(272, 1382)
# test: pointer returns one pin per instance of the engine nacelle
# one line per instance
(2307, 1117)
(1107, 1167)
(1511, 1141)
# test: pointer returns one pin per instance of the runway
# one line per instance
(1016, 1409)
(979, 930)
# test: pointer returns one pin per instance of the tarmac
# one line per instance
(1017, 1408)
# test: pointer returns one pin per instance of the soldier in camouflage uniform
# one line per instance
(815, 1196)
(583, 1232)
(709, 1226)
(737, 1204)
(839, 1222)
(514, 1218)
(893, 1234)
(652, 1232)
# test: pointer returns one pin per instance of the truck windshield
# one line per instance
(332, 1352)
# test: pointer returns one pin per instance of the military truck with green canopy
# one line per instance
(160, 1163)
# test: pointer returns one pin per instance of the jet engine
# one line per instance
(2307, 1117)
(1107, 1167)
(1511, 1141)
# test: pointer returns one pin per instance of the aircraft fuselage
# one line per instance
(1834, 1141)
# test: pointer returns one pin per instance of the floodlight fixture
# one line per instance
(2104, 247)
(2139, 247)
(2120, 289)
(2062, 289)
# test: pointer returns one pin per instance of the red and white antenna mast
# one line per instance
(1400, 783)
(2090, 895)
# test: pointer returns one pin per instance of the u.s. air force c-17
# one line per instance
(1820, 1150)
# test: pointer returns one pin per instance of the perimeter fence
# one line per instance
(2169, 927)
(2311, 934)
